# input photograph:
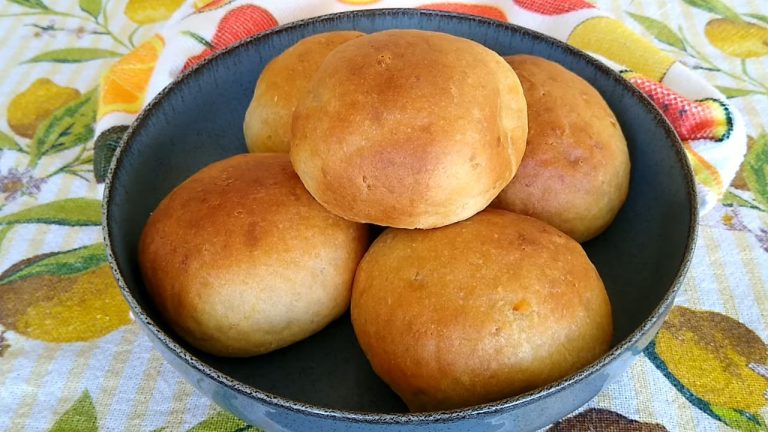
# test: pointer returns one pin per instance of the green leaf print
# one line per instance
(716, 7)
(741, 420)
(759, 17)
(755, 169)
(91, 7)
(70, 126)
(731, 199)
(8, 143)
(662, 32)
(70, 212)
(104, 149)
(732, 92)
(81, 416)
(63, 263)
(32, 4)
(72, 55)
(199, 39)
(222, 421)
(4, 232)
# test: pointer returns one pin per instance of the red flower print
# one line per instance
(486, 11)
(236, 25)
(553, 7)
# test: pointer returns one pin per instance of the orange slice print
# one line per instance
(124, 85)
(704, 171)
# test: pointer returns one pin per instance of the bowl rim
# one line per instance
(269, 399)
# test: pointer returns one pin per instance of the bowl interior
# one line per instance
(198, 120)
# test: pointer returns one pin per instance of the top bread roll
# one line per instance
(575, 174)
(267, 125)
(409, 129)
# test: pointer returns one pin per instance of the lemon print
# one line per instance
(712, 359)
(206, 5)
(35, 104)
(151, 11)
(88, 307)
(615, 41)
(201, 4)
(737, 38)
(62, 307)
(124, 85)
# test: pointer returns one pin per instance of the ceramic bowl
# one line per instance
(325, 382)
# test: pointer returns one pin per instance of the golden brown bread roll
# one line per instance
(409, 129)
(575, 173)
(240, 260)
(267, 124)
(477, 311)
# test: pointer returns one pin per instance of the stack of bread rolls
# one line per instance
(485, 174)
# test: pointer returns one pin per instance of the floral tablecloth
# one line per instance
(74, 74)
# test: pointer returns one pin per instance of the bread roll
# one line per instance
(267, 125)
(575, 174)
(410, 129)
(240, 260)
(477, 311)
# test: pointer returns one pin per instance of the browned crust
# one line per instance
(267, 125)
(240, 260)
(477, 311)
(410, 129)
(575, 173)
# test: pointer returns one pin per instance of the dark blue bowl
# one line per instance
(325, 382)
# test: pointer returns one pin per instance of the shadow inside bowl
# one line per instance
(327, 369)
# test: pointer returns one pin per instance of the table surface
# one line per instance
(71, 357)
